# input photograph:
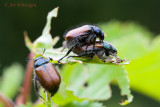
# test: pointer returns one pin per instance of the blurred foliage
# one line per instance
(11, 80)
(137, 44)
(27, 105)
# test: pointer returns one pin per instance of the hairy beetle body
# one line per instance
(83, 30)
(100, 49)
(84, 35)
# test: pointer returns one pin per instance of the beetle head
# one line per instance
(40, 61)
(110, 49)
(99, 33)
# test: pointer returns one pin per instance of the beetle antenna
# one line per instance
(63, 49)
(113, 55)
(64, 44)
(116, 56)
(50, 59)
(27, 59)
(43, 51)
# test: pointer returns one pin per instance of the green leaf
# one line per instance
(51, 14)
(27, 41)
(55, 40)
(144, 72)
(84, 104)
(114, 30)
(45, 40)
(26, 105)
(137, 44)
(11, 80)
(130, 39)
(65, 96)
(97, 78)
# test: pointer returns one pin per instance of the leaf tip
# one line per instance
(125, 102)
(55, 40)
(53, 13)
(27, 41)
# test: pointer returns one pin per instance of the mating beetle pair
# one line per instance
(82, 41)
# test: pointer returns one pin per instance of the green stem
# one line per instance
(48, 101)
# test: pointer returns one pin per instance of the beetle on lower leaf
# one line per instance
(84, 35)
(46, 75)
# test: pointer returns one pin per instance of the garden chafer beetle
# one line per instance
(46, 75)
(84, 35)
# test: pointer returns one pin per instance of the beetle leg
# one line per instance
(102, 59)
(64, 44)
(66, 54)
(63, 49)
(35, 86)
(82, 37)
(86, 46)
(52, 94)
(78, 55)
(85, 54)
(94, 41)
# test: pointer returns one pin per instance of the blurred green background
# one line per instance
(16, 19)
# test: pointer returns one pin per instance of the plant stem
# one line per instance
(24, 95)
(6, 101)
(48, 101)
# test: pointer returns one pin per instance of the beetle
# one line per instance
(84, 35)
(101, 49)
(46, 75)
